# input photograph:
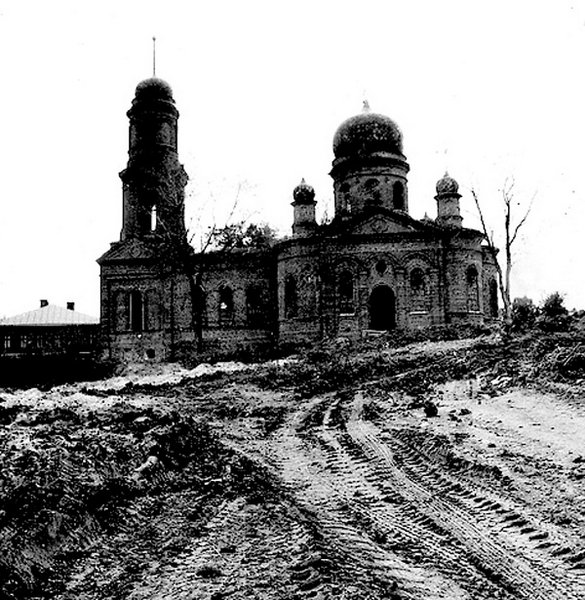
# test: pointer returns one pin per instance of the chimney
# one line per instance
(44, 303)
(70, 305)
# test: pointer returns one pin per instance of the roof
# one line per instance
(133, 249)
(50, 315)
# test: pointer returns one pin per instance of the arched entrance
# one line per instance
(382, 307)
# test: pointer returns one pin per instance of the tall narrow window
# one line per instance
(136, 311)
(346, 291)
(120, 316)
(472, 289)
(226, 306)
(153, 218)
(418, 290)
(493, 300)
(398, 195)
(346, 197)
(254, 306)
(290, 297)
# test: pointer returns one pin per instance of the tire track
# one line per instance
(512, 569)
(502, 515)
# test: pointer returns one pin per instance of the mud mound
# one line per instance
(65, 484)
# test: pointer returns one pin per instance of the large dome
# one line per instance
(367, 133)
(154, 89)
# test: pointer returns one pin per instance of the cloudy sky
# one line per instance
(486, 89)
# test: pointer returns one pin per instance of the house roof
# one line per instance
(50, 315)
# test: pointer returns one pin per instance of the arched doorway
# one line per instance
(382, 306)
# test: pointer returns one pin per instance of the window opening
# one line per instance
(226, 305)
(290, 297)
(398, 195)
(346, 291)
(254, 305)
(472, 289)
(418, 289)
(136, 311)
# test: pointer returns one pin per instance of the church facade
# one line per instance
(374, 267)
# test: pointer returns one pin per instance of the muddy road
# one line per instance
(351, 492)
(404, 522)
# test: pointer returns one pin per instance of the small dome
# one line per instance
(367, 133)
(447, 185)
(154, 89)
(304, 193)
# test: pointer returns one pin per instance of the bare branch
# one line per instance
(487, 236)
(504, 290)
(235, 204)
(523, 220)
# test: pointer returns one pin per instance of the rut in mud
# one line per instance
(405, 525)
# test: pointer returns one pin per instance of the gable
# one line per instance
(133, 249)
(382, 224)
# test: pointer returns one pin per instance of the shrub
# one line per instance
(524, 314)
(554, 316)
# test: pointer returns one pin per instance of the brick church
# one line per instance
(374, 267)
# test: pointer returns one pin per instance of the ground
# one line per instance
(452, 470)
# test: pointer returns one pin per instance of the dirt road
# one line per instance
(402, 521)
(355, 493)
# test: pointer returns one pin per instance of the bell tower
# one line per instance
(154, 180)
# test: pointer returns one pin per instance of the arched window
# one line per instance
(372, 189)
(226, 305)
(254, 306)
(345, 291)
(345, 196)
(290, 297)
(135, 311)
(120, 311)
(418, 289)
(398, 195)
(472, 289)
(493, 299)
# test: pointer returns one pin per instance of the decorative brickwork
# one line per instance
(372, 267)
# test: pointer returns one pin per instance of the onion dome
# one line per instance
(304, 193)
(447, 185)
(367, 133)
(154, 89)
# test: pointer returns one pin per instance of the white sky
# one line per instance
(487, 89)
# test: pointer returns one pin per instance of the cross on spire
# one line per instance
(153, 56)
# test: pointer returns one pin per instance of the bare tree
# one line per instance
(176, 255)
(511, 234)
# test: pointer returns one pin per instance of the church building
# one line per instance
(374, 267)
